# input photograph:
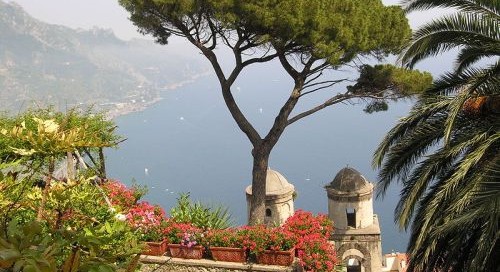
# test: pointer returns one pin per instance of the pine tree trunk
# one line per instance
(258, 199)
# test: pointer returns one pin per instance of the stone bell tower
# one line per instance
(279, 198)
(357, 231)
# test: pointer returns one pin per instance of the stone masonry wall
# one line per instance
(168, 264)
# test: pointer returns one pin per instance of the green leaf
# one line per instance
(9, 254)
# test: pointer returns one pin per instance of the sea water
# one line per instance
(188, 142)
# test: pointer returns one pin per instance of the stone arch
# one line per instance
(358, 258)
(365, 261)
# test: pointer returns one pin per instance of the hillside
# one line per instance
(43, 64)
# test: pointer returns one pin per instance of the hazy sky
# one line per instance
(109, 14)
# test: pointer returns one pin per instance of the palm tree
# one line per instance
(445, 153)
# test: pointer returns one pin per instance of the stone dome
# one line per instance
(276, 184)
(349, 180)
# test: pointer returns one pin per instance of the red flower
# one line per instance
(147, 220)
(119, 194)
(312, 233)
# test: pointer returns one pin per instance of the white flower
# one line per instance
(120, 217)
(112, 209)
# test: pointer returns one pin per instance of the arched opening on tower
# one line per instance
(351, 217)
(353, 265)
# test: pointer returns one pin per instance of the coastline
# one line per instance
(124, 108)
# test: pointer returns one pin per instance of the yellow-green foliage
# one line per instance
(44, 133)
(404, 82)
(336, 30)
(78, 231)
(411, 81)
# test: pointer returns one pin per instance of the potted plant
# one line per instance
(226, 245)
(149, 223)
(271, 246)
(156, 243)
(184, 240)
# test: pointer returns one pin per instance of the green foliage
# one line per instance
(76, 224)
(411, 81)
(199, 214)
(446, 151)
(402, 82)
(405, 82)
(138, 190)
(44, 133)
(336, 30)
(376, 106)
(76, 230)
(25, 247)
(111, 243)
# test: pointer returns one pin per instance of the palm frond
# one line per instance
(452, 31)
(486, 7)
(470, 55)
(445, 153)
(396, 155)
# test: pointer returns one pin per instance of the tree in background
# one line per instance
(37, 140)
(306, 37)
(446, 151)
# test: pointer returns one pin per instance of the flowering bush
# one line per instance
(121, 195)
(317, 254)
(280, 239)
(312, 233)
(148, 220)
(255, 238)
(304, 223)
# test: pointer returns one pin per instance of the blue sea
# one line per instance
(188, 142)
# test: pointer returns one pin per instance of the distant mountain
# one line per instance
(45, 64)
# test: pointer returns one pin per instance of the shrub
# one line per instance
(148, 221)
(305, 223)
(119, 195)
(77, 231)
(312, 234)
(200, 215)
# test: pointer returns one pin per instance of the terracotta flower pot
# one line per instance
(155, 248)
(229, 254)
(272, 257)
(180, 251)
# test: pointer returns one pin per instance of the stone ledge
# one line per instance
(167, 264)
